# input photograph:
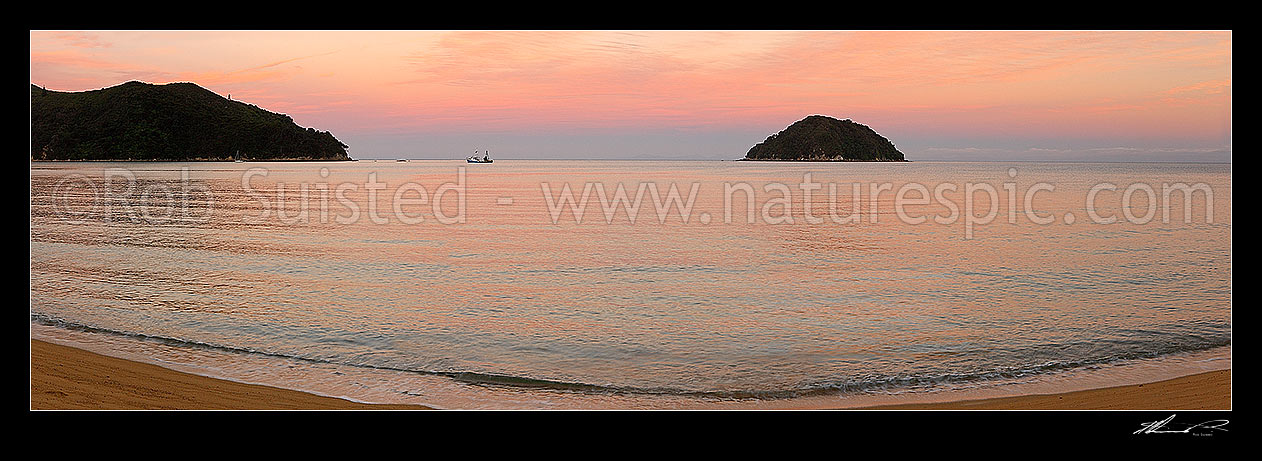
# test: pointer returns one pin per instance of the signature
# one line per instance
(1164, 427)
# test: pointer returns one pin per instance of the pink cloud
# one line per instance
(988, 82)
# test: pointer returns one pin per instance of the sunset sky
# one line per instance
(963, 95)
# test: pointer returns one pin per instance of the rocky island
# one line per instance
(171, 122)
(826, 139)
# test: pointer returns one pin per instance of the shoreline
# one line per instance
(1210, 390)
(66, 377)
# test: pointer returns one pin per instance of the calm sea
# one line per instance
(704, 283)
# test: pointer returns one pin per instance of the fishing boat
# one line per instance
(485, 158)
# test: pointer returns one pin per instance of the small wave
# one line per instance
(861, 384)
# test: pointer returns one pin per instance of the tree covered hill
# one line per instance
(821, 138)
(175, 121)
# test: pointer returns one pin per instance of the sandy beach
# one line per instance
(68, 378)
(1202, 391)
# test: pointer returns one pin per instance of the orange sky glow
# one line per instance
(936, 94)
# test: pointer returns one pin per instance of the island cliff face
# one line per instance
(175, 121)
(826, 139)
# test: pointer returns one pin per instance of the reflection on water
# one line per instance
(695, 309)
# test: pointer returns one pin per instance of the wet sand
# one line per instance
(1202, 391)
(68, 378)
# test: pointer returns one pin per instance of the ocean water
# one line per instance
(479, 286)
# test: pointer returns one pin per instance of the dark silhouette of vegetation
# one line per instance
(176, 121)
(820, 138)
